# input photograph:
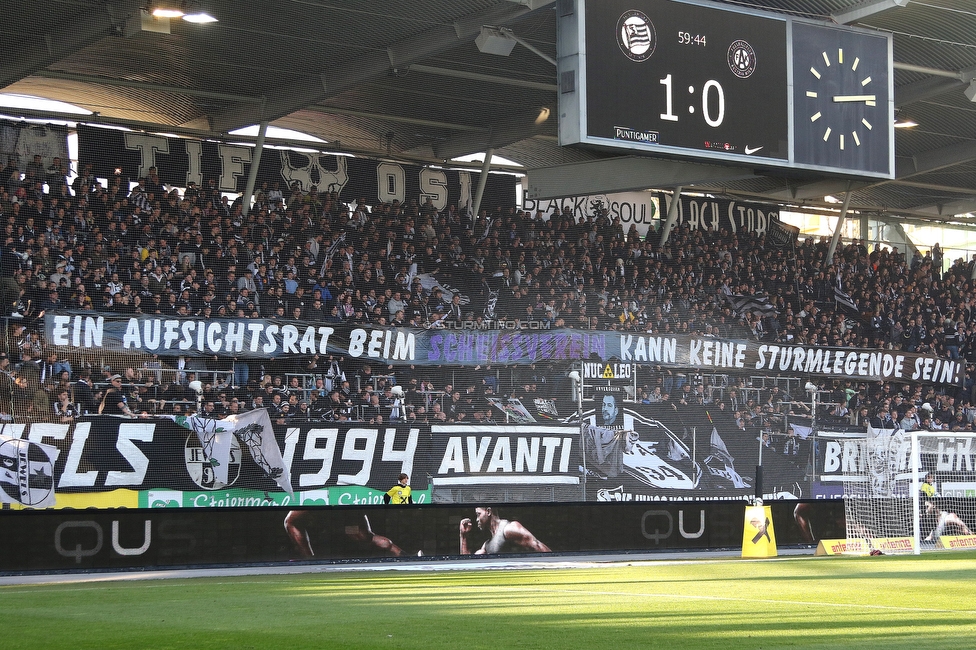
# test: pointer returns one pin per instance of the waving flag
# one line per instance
(252, 429)
(844, 299)
(781, 235)
(721, 464)
(758, 305)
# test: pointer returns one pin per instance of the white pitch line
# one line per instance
(533, 563)
(69, 586)
(767, 601)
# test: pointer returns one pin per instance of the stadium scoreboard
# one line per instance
(712, 81)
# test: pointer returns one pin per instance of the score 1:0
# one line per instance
(710, 85)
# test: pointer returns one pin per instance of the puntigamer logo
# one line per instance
(636, 36)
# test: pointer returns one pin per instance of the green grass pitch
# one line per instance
(866, 602)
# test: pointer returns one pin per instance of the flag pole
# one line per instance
(759, 470)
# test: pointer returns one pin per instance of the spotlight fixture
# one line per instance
(905, 123)
(502, 40)
(188, 10)
(167, 12)
(971, 91)
(494, 40)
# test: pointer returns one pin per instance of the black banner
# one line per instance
(781, 235)
(622, 453)
(259, 338)
(64, 540)
(534, 462)
(111, 462)
(180, 161)
(712, 214)
(879, 463)
(651, 453)
(659, 452)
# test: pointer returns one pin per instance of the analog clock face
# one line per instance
(841, 99)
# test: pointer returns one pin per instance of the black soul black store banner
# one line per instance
(711, 214)
(180, 161)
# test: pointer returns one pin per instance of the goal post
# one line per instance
(945, 508)
(887, 496)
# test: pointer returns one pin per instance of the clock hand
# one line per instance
(854, 98)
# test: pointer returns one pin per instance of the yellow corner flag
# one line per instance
(758, 537)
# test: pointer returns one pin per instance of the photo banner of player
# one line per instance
(652, 452)
(125, 539)
(180, 161)
(266, 338)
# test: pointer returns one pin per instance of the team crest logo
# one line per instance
(742, 59)
(636, 36)
(26, 473)
(200, 467)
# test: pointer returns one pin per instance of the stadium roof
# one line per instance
(404, 79)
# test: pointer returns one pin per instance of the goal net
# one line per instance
(917, 485)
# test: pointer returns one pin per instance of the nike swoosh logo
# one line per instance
(751, 150)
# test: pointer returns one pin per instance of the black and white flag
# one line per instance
(331, 250)
(721, 464)
(253, 430)
(781, 235)
(758, 305)
(844, 300)
(801, 425)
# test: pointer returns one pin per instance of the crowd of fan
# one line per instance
(303, 254)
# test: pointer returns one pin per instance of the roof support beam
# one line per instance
(487, 78)
(930, 161)
(939, 83)
(816, 190)
(905, 168)
(400, 119)
(864, 9)
(925, 89)
(897, 235)
(38, 51)
(499, 134)
(314, 88)
(949, 208)
(839, 228)
(141, 85)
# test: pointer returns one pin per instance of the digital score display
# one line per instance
(687, 76)
(711, 81)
